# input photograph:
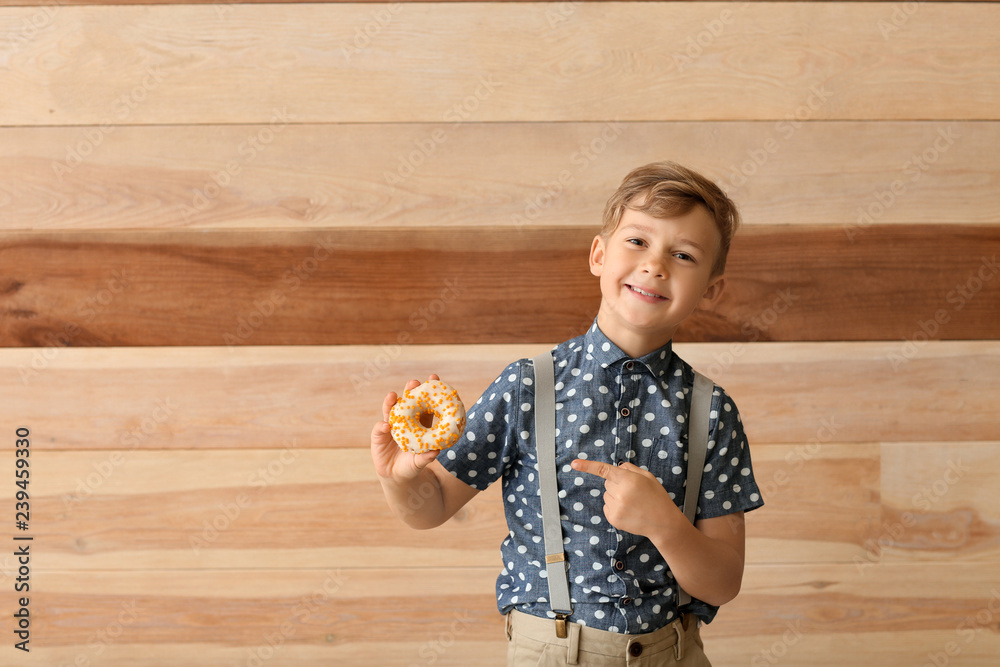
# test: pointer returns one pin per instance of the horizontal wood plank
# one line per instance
(33, 3)
(454, 286)
(935, 502)
(307, 508)
(319, 397)
(419, 175)
(900, 614)
(795, 612)
(236, 63)
(302, 504)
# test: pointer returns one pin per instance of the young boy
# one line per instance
(622, 398)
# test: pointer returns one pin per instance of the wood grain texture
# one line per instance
(899, 614)
(318, 397)
(593, 61)
(313, 508)
(420, 175)
(455, 286)
(45, 3)
(800, 613)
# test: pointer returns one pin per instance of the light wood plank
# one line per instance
(231, 509)
(900, 613)
(325, 616)
(939, 502)
(41, 3)
(317, 397)
(829, 598)
(454, 286)
(797, 525)
(401, 174)
(605, 61)
(283, 508)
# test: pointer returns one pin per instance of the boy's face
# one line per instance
(654, 272)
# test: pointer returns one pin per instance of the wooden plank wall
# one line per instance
(227, 230)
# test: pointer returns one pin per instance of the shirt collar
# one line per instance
(607, 354)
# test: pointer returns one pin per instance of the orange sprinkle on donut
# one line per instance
(432, 397)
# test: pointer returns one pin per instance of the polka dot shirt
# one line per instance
(611, 408)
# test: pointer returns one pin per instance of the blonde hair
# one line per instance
(667, 189)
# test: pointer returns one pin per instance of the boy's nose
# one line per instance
(656, 269)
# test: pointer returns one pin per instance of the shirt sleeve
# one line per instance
(728, 483)
(492, 433)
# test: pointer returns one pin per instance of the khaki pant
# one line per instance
(533, 643)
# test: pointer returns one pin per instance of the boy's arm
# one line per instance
(706, 558)
(418, 488)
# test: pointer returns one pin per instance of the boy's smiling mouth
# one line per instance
(645, 293)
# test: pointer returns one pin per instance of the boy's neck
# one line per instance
(634, 344)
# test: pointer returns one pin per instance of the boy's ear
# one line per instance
(597, 255)
(715, 287)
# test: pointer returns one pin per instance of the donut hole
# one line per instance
(428, 419)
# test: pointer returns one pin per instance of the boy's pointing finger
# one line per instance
(595, 468)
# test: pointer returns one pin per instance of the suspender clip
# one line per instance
(561, 632)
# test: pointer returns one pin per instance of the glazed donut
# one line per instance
(432, 397)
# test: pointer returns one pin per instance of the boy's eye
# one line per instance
(684, 256)
(635, 241)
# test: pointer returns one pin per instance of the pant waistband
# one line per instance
(602, 642)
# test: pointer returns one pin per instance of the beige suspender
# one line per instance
(698, 421)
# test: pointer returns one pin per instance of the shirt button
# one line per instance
(635, 649)
(625, 412)
(626, 602)
(629, 365)
(619, 565)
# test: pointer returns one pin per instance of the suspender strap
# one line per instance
(698, 420)
(545, 446)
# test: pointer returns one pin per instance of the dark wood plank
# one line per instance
(462, 286)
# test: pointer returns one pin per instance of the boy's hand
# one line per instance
(390, 461)
(634, 501)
